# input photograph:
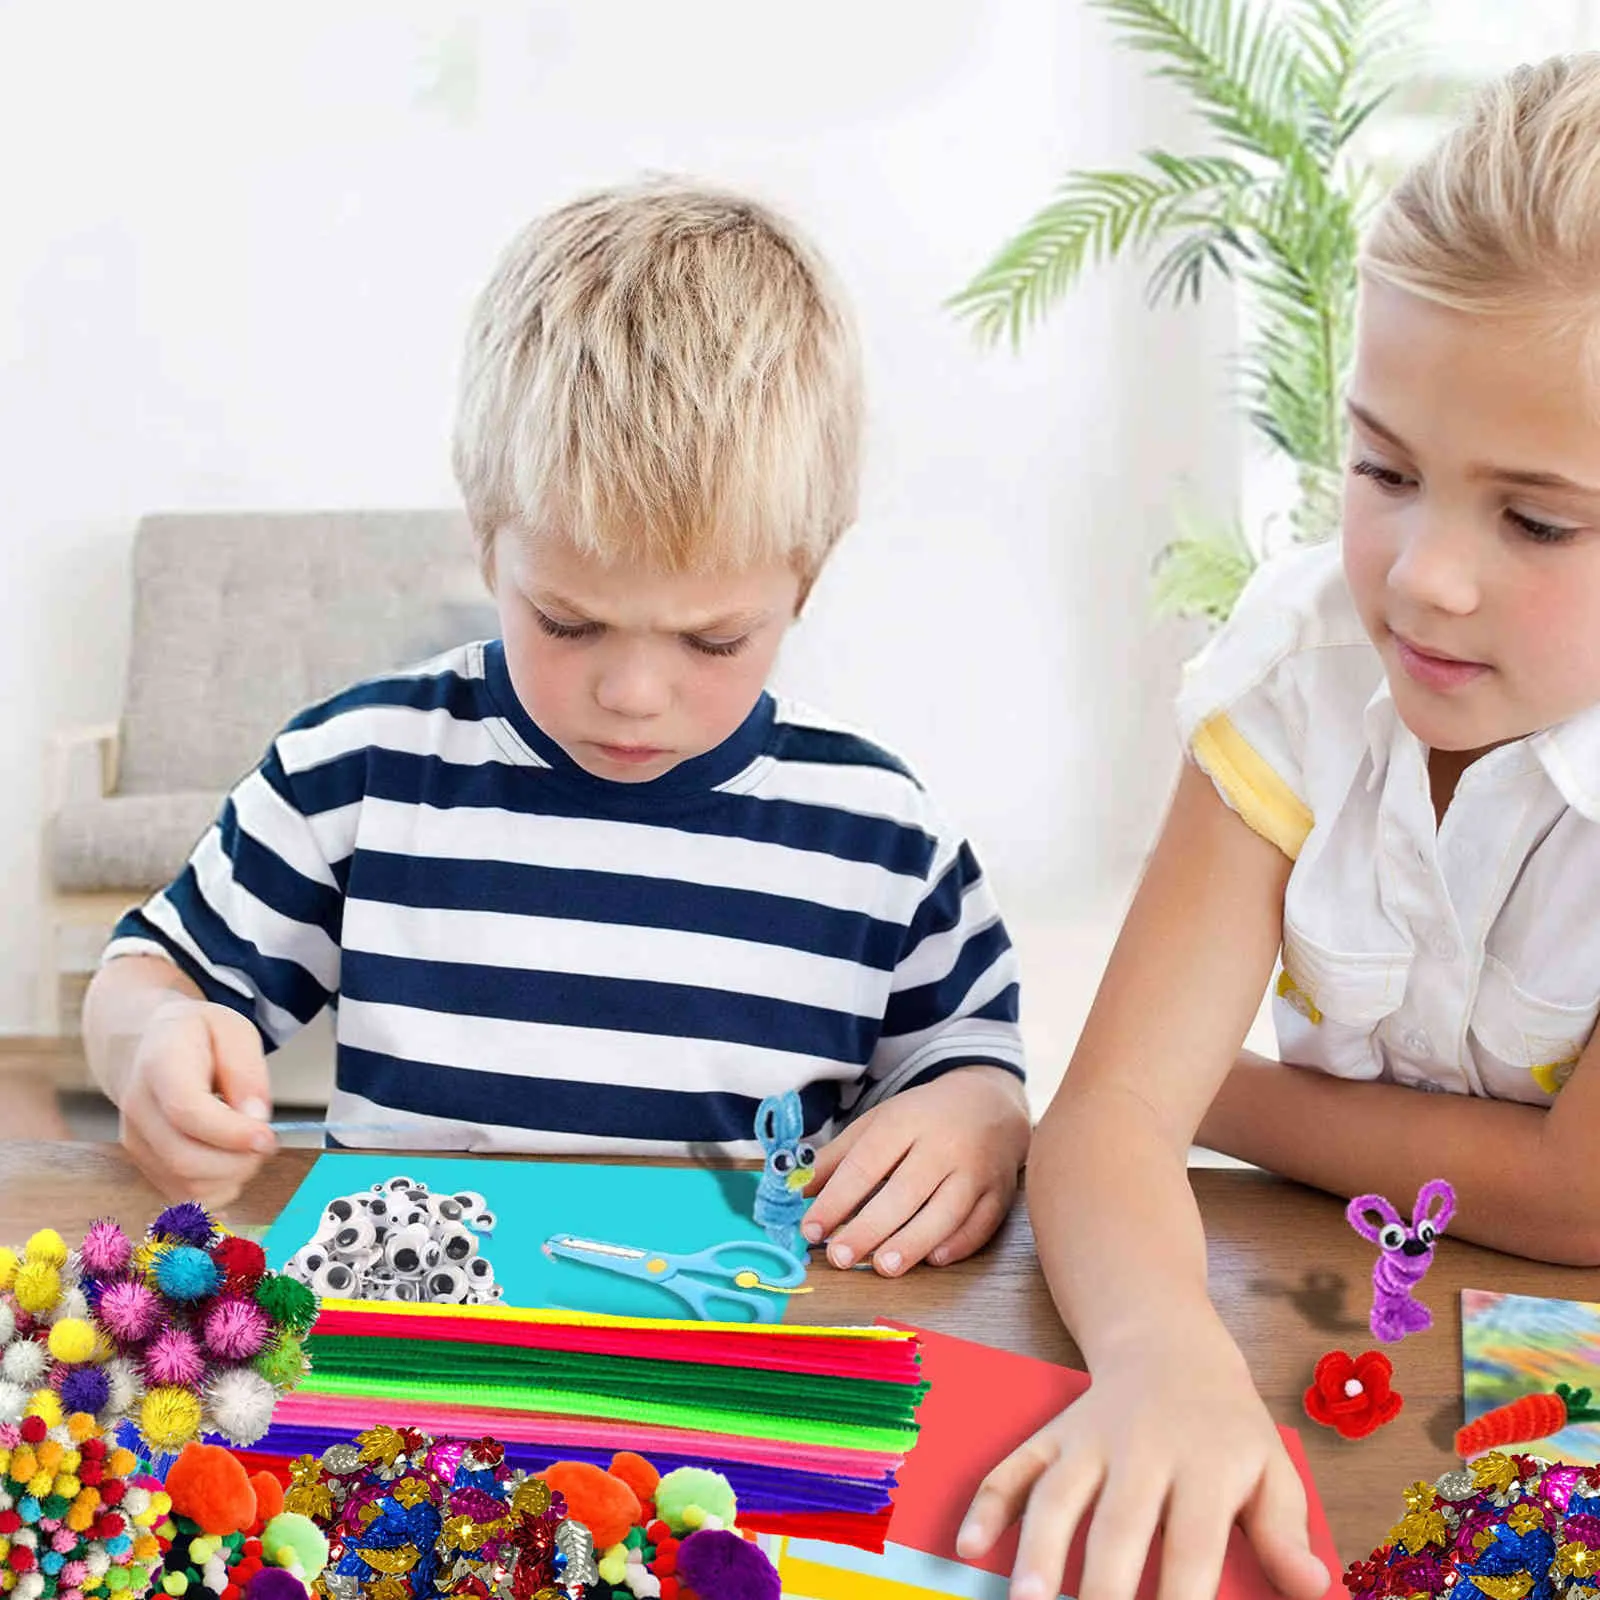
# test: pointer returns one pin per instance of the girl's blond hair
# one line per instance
(1503, 215)
(662, 373)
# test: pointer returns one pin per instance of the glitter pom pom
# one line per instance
(186, 1273)
(130, 1312)
(85, 1389)
(174, 1360)
(240, 1404)
(37, 1287)
(107, 1250)
(184, 1224)
(25, 1362)
(236, 1329)
(242, 1262)
(282, 1363)
(290, 1304)
(169, 1418)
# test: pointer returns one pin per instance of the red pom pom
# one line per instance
(110, 1525)
(93, 1449)
(656, 1531)
(252, 1548)
(9, 1522)
(233, 1592)
(111, 1493)
(34, 1430)
(91, 1473)
(241, 1261)
(21, 1559)
(669, 1589)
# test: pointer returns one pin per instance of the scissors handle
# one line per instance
(775, 1267)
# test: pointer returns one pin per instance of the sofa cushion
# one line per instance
(243, 619)
(132, 842)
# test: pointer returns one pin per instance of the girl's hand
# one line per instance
(1171, 1435)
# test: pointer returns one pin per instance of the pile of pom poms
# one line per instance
(75, 1519)
(228, 1534)
(1512, 1527)
(182, 1333)
(409, 1515)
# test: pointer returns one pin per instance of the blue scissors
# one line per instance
(749, 1274)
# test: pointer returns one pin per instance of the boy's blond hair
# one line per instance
(663, 373)
(1503, 215)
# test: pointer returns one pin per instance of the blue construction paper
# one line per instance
(676, 1209)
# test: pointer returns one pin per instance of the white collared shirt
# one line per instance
(1462, 957)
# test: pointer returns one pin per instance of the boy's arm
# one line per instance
(1527, 1180)
(122, 999)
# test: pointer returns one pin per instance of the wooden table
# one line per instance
(1289, 1276)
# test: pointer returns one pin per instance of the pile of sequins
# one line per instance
(408, 1516)
(1512, 1527)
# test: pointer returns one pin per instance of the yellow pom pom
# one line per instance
(8, 1268)
(5, 1461)
(145, 1548)
(70, 1462)
(48, 1246)
(613, 1564)
(146, 1255)
(72, 1340)
(202, 1549)
(37, 1287)
(67, 1485)
(120, 1462)
(5, 1547)
(160, 1502)
(169, 1417)
(175, 1583)
(45, 1403)
(39, 1484)
(81, 1427)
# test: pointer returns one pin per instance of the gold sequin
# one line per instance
(381, 1444)
(1577, 1561)
(1525, 1517)
(1418, 1530)
(1494, 1471)
(1419, 1497)
(1511, 1588)
(391, 1561)
(463, 1533)
(530, 1498)
(410, 1492)
(387, 1588)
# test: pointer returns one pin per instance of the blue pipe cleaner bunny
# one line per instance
(780, 1197)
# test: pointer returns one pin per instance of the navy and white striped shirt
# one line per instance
(527, 957)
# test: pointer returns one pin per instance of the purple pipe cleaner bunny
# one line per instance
(1406, 1254)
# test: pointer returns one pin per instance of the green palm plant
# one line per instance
(1278, 206)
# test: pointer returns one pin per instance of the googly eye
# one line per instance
(485, 1221)
(1426, 1234)
(397, 1185)
(480, 1270)
(782, 1162)
(1392, 1237)
(378, 1208)
(446, 1284)
(403, 1252)
(445, 1208)
(354, 1237)
(456, 1244)
(805, 1155)
(341, 1210)
(334, 1280)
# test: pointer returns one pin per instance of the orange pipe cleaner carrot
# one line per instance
(1533, 1416)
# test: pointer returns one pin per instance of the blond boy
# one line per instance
(590, 886)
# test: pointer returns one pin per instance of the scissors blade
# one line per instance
(571, 1244)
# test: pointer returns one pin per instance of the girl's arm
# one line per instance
(1527, 1180)
(1172, 1428)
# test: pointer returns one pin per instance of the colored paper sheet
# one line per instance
(1517, 1344)
(659, 1209)
(982, 1404)
(810, 1569)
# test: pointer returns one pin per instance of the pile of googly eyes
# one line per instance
(399, 1241)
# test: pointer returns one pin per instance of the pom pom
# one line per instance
(130, 1312)
(25, 1362)
(126, 1385)
(169, 1418)
(46, 1405)
(236, 1329)
(86, 1389)
(184, 1224)
(637, 1473)
(606, 1506)
(13, 1397)
(269, 1496)
(274, 1583)
(686, 1496)
(210, 1487)
(722, 1566)
(174, 1359)
(8, 1268)
(37, 1287)
(72, 1341)
(47, 1246)
(290, 1304)
(8, 1323)
(107, 1250)
(242, 1262)
(186, 1273)
(240, 1404)
(283, 1363)
(294, 1540)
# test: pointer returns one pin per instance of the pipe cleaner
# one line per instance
(1405, 1254)
(1524, 1420)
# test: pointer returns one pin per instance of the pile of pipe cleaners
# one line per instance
(409, 1516)
(1511, 1527)
(184, 1332)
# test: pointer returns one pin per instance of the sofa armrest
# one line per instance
(80, 764)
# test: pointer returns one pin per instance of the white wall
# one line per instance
(240, 244)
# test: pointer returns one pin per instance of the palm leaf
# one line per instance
(1203, 570)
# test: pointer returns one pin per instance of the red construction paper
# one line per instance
(985, 1402)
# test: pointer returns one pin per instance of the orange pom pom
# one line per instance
(269, 1496)
(605, 1505)
(637, 1473)
(210, 1487)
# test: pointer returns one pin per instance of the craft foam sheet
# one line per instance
(1517, 1344)
(675, 1209)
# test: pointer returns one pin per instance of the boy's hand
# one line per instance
(1172, 1434)
(191, 1144)
(930, 1173)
